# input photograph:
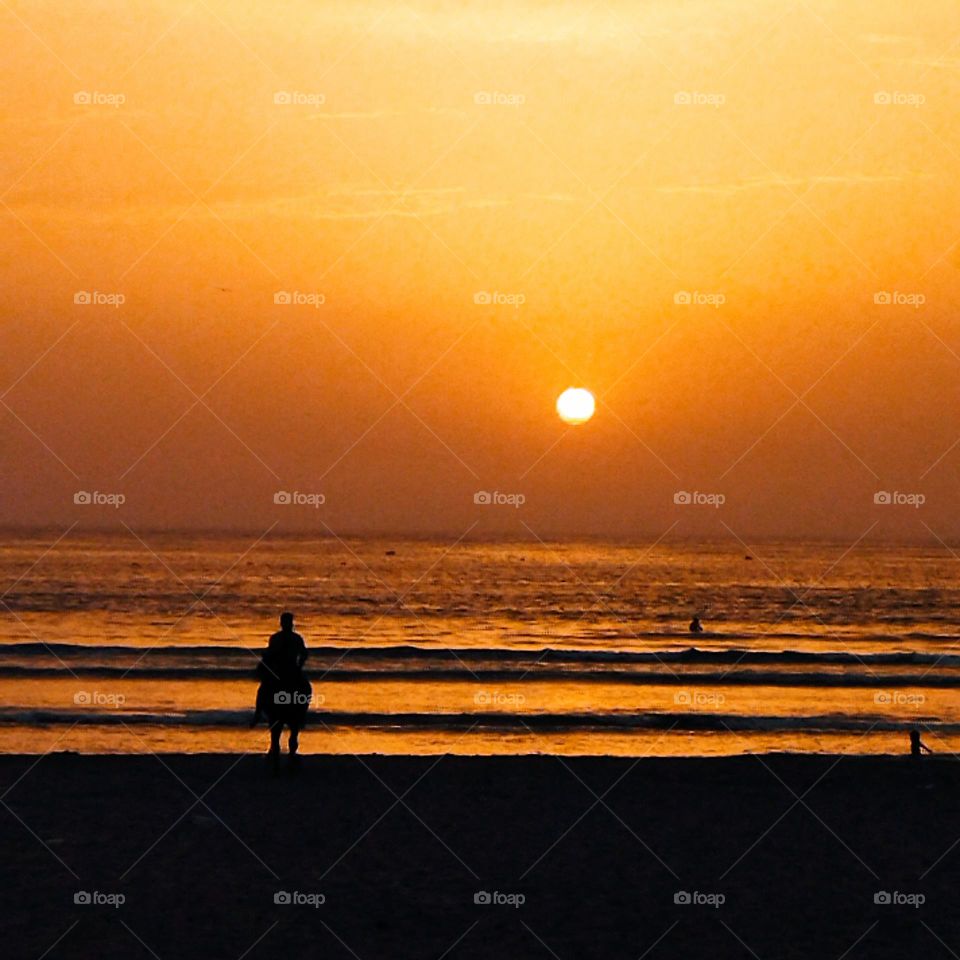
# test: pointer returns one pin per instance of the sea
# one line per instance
(148, 643)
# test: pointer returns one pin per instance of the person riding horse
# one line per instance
(285, 692)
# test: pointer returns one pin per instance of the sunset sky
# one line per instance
(783, 166)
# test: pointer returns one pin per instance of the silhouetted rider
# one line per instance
(285, 655)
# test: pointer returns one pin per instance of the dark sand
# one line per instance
(399, 875)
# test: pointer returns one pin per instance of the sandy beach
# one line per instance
(780, 856)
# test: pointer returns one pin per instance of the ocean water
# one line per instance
(148, 643)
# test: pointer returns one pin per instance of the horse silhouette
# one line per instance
(284, 694)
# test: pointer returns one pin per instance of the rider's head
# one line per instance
(286, 621)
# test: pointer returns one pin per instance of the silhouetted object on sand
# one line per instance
(917, 745)
(285, 692)
(696, 626)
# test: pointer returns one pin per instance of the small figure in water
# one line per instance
(916, 744)
(696, 626)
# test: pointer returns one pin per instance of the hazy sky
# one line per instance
(783, 166)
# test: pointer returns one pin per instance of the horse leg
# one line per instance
(276, 728)
(294, 744)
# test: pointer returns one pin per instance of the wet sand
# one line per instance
(580, 857)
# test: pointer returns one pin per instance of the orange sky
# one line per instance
(432, 151)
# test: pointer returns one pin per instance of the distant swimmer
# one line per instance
(916, 744)
(696, 626)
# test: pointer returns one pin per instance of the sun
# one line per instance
(576, 405)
